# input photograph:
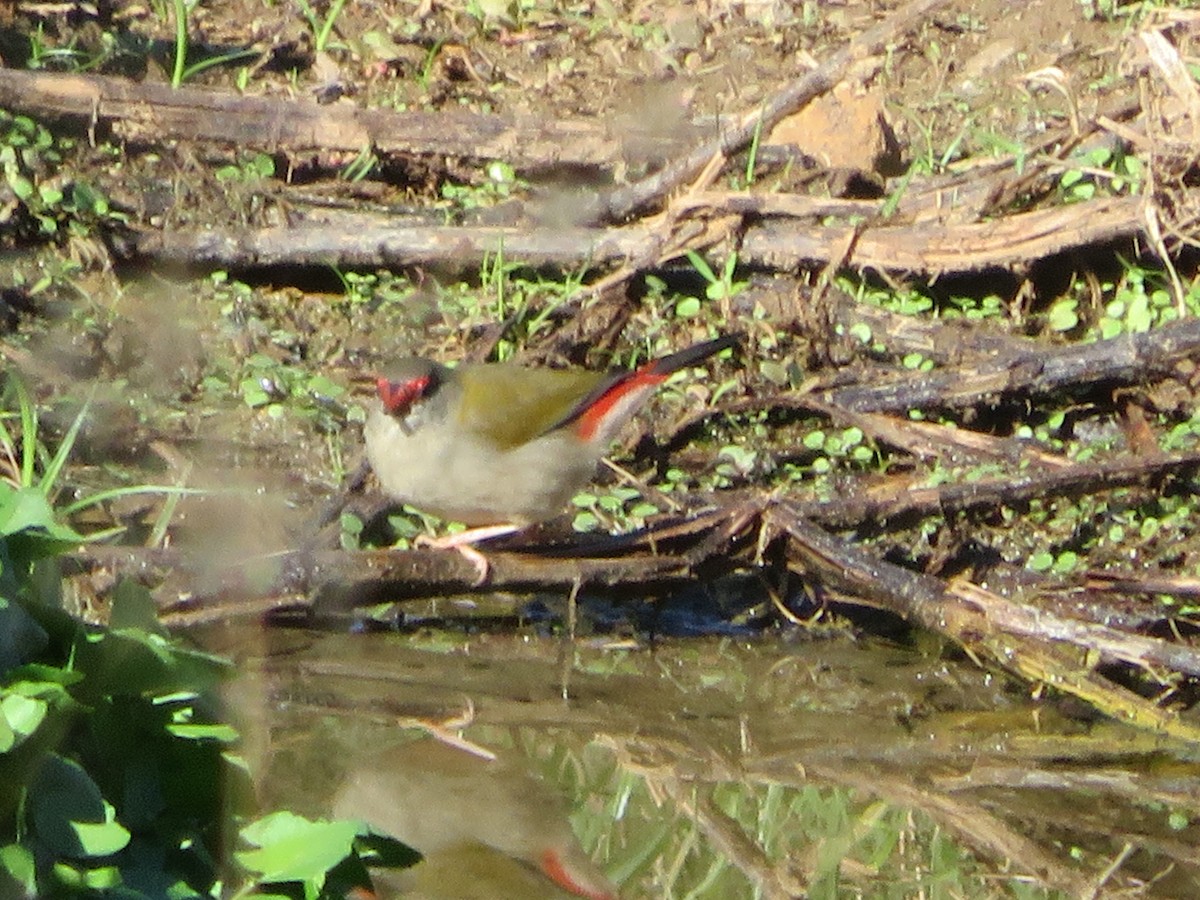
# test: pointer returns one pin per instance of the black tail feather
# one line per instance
(689, 356)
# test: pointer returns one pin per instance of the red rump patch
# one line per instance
(552, 865)
(399, 396)
(593, 417)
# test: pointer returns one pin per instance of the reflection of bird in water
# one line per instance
(487, 830)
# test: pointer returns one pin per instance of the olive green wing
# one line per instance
(509, 405)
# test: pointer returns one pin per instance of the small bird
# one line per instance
(501, 445)
(486, 828)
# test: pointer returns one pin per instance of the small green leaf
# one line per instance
(1062, 316)
(19, 718)
(775, 371)
(861, 331)
(324, 387)
(291, 848)
(21, 186)
(69, 814)
(1139, 318)
(1041, 561)
(1066, 563)
(585, 522)
(253, 393)
(18, 862)
(225, 734)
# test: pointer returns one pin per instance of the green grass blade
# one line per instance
(7, 445)
(163, 521)
(700, 264)
(29, 426)
(181, 43)
(131, 491)
(322, 37)
(232, 56)
(752, 156)
(55, 466)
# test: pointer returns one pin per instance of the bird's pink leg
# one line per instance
(463, 541)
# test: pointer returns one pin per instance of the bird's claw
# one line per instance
(477, 560)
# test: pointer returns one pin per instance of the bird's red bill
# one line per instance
(399, 396)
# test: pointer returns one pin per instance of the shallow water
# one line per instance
(741, 768)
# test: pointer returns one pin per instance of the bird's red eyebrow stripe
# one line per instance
(398, 396)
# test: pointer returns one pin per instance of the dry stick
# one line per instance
(955, 612)
(1014, 489)
(1029, 621)
(1021, 368)
(156, 113)
(337, 580)
(1143, 582)
(782, 245)
(368, 244)
(360, 578)
(623, 202)
(937, 248)
(932, 439)
(1127, 358)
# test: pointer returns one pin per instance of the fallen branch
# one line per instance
(362, 242)
(936, 248)
(1009, 490)
(155, 113)
(987, 629)
(665, 555)
(1127, 358)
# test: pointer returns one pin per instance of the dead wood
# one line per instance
(370, 245)
(1144, 583)
(773, 244)
(989, 625)
(1013, 490)
(654, 559)
(338, 581)
(154, 113)
(936, 248)
(1126, 359)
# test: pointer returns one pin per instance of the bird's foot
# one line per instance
(463, 542)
